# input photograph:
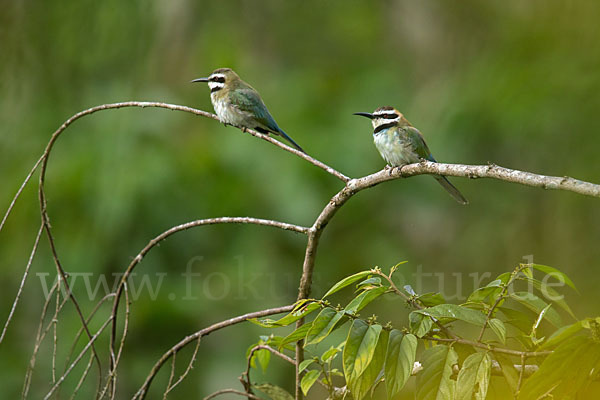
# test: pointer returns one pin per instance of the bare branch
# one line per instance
(245, 378)
(23, 279)
(232, 391)
(141, 393)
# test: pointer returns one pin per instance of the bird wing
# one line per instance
(248, 101)
(418, 143)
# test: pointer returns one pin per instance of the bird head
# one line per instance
(383, 117)
(219, 79)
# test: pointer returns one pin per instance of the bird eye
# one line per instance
(388, 116)
(220, 79)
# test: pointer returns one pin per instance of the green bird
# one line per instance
(400, 143)
(239, 104)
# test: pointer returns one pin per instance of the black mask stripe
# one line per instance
(216, 88)
(384, 126)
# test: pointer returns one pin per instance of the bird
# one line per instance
(239, 104)
(400, 143)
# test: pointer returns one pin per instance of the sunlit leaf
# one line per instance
(323, 325)
(290, 318)
(263, 356)
(511, 375)
(298, 334)
(434, 382)
(454, 311)
(474, 377)
(560, 335)
(361, 301)
(359, 349)
(308, 380)
(304, 364)
(400, 358)
(360, 387)
(551, 295)
(561, 276)
(419, 324)
(349, 280)
(565, 371)
(431, 299)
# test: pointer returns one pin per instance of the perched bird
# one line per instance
(399, 143)
(239, 104)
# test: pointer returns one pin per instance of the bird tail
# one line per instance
(289, 139)
(450, 188)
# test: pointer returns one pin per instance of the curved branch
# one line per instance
(141, 393)
(480, 171)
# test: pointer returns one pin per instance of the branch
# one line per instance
(232, 391)
(141, 393)
(245, 378)
(491, 348)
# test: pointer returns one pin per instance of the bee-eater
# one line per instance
(399, 143)
(239, 104)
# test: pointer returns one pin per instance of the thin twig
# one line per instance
(22, 284)
(245, 378)
(490, 348)
(170, 386)
(142, 392)
(232, 391)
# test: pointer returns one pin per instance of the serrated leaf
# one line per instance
(555, 273)
(474, 377)
(323, 324)
(349, 280)
(308, 380)
(359, 349)
(564, 372)
(273, 391)
(304, 364)
(499, 329)
(419, 324)
(434, 382)
(296, 335)
(400, 358)
(535, 304)
(454, 311)
(508, 371)
(361, 301)
(360, 387)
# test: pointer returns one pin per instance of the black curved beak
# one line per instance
(200, 80)
(364, 114)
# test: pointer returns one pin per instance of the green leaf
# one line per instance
(561, 276)
(323, 325)
(561, 334)
(499, 329)
(564, 372)
(374, 281)
(551, 295)
(400, 358)
(296, 335)
(434, 382)
(359, 349)
(263, 356)
(535, 304)
(349, 280)
(481, 294)
(330, 354)
(431, 299)
(419, 324)
(474, 377)
(308, 380)
(508, 370)
(517, 319)
(360, 301)
(295, 315)
(304, 364)
(273, 391)
(360, 387)
(454, 311)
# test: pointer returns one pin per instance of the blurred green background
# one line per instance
(510, 82)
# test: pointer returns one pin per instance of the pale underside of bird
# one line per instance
(399, 143)
(239, 104)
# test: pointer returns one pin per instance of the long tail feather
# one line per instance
(450, 188)
(289, 139)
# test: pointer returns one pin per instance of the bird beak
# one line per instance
(200, 80)
(364, 114)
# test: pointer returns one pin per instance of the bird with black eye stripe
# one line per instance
(239, 104)
(400, 143)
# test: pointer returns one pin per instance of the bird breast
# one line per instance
(226, 113)
(392, 148)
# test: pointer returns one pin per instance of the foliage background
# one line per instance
(510, 82)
